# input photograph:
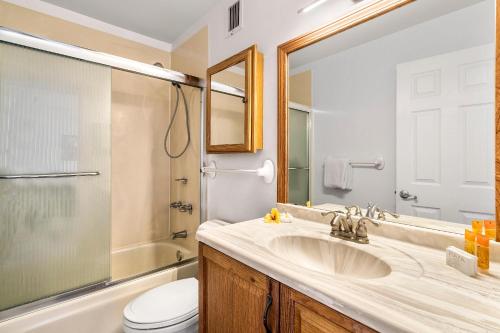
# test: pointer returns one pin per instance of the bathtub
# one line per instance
(139, 259)
(97, 312)
(101, 311)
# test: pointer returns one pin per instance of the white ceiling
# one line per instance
(399, 19)
(164, 20)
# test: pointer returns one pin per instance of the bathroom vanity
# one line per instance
(237, 298)
(294, 277)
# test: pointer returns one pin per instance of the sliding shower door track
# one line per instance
(46, 302)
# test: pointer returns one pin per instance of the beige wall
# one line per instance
(300, 88)
(140, 114)
(191, 57)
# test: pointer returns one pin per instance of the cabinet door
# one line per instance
(302, 314)
(233, 296)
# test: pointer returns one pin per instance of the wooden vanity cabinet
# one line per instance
(301, 314)
(235, 297)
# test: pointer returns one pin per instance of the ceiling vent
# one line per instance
(234, 18)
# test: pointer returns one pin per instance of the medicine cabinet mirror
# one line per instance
(234, 104)
(393, 103)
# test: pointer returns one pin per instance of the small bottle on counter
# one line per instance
(477, 226)
(490, 229)
(470, 242)
(483, 252)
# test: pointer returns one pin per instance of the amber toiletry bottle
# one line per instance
(490, 229)
(470, 242)
(483, 252)
(477, 226)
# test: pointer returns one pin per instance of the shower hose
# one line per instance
(178, 89)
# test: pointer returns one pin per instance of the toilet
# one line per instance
(170, 308)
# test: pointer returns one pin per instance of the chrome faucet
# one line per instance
(361, 233)
(373, 210)
(183, 208)
(179, 234)
(343, 226)
(186, 208)
(357, 210)
(370, 210)
(175, 204)
(382, 212)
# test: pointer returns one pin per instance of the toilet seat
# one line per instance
(171, 304)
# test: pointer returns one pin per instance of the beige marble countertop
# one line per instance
(421, 294)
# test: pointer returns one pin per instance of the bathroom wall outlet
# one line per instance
(461, 260)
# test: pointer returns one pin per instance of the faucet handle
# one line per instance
(186, 208)
(333, 222)
(382, 212)
(334, 212)
(357, 210)
(175, 204)
(361, 232)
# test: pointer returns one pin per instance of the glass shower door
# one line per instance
(298, 157)
(54, 174)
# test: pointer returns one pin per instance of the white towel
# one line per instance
(338, 173)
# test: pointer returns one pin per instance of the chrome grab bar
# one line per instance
(51, 175)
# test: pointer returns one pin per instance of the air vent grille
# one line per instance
(234, 17)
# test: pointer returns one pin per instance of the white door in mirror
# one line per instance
(445, 136)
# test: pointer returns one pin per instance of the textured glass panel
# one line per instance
(298, 186)
(298, 139)
(298, 157)
(54, 118)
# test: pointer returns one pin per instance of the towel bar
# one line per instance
(378, 164)
(266, 171)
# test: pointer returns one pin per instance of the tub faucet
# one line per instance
(179, 234)
(186, 208)
(175, 204)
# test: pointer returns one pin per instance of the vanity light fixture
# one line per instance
(311, 6)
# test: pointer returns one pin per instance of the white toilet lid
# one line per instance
(164, 306)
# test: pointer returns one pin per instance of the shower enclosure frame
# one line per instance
(17, 38)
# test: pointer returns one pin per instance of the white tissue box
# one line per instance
(461, 260)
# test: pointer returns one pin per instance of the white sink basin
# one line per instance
(331, 257)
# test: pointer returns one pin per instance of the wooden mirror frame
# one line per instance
(253, 102)
(350, 20)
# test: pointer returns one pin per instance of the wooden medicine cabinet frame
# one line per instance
(253, 100)
(351, 19)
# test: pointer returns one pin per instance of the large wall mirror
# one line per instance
(234, 104)
(393, 104)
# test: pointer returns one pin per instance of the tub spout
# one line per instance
(180, 234)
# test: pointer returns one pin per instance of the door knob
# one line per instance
(405, 195)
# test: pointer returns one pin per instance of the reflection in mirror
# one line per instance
(398, 111)
(228, 106)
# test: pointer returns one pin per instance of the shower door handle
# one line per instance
(51, 175)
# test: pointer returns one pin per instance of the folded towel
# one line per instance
(338, 173)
